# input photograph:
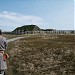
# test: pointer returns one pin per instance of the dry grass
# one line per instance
(42, 55)
(10, 36)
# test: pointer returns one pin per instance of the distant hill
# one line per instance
(28, 28)
(47, 29)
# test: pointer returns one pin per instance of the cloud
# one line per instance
(11, 19)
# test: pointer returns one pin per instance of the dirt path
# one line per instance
(10, 40)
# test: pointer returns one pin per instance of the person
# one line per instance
(3, 46)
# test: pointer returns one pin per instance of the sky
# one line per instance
(47, 14)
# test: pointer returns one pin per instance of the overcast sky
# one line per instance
(47, 14)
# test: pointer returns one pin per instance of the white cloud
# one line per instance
(15, 19)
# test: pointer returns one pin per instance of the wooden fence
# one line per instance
(45, 32)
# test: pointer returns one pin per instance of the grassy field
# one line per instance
(10, 36)
(42, 55)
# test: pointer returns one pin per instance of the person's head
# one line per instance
(0, 32)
